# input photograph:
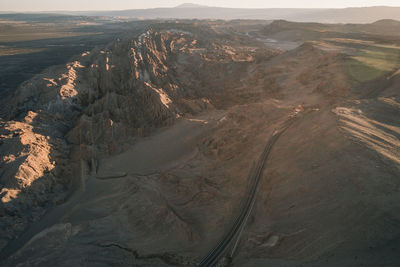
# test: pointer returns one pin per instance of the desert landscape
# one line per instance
(198, 142)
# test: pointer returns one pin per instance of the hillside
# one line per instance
(140, 152)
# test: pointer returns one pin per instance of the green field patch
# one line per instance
(373, 62)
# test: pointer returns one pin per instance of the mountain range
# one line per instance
(192, 11)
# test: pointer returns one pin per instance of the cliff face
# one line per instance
(135, 84)
(102, 99)
(35, 170)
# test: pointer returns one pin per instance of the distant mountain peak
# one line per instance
(189, 5)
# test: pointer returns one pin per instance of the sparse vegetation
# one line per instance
(373, 62)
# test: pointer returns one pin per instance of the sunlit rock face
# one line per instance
(31, 149)
(92, 106)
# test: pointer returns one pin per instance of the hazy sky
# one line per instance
(46, 5)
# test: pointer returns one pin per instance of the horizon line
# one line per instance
(178, 7)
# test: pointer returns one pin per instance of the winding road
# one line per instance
(233, 235)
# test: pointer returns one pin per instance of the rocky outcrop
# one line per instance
(102, 99)
(34, 172)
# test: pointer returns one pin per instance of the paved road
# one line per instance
(215, 255)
